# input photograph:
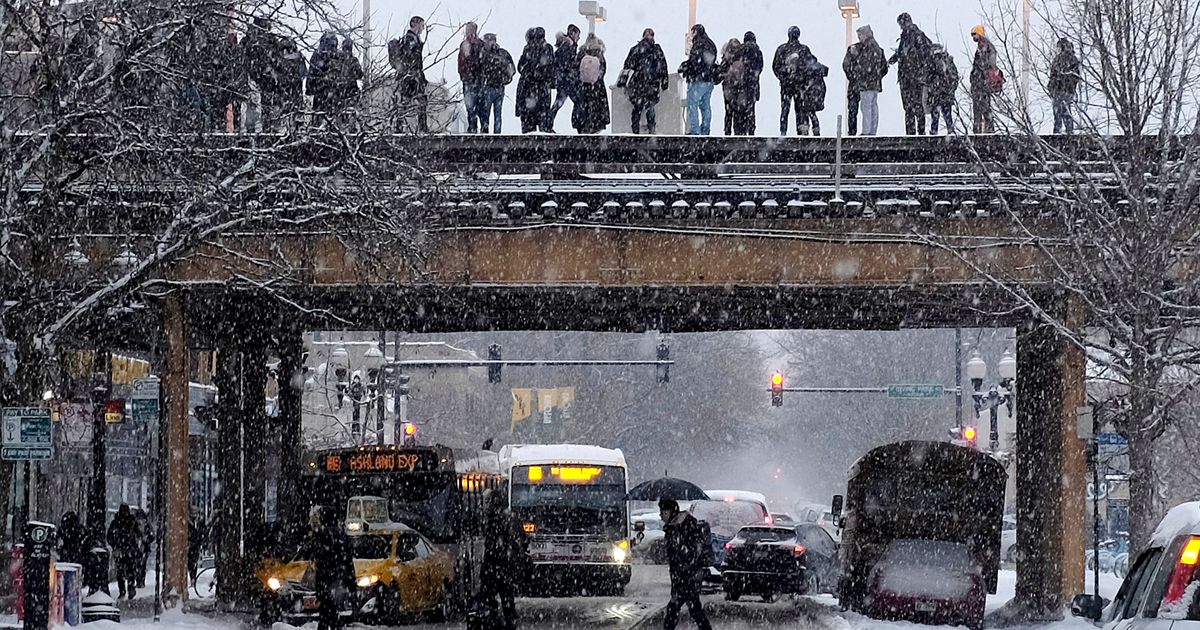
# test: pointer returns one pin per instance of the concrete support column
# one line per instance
(254, 440)
(178, 481)
(1051, 474)
(291, 374)
(228, 503)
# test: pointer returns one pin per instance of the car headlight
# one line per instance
(274, 583)
(620, 551)
(367, 581)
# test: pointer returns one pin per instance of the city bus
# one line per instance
(921, 532)
(571, 501)
(434, 490)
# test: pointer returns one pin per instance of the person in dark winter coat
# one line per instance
(699, 70)
(145, 544)
(1064, 81)
(982, 86)
(348, 72)
(71, 539)
(537, 77)
(505, 555)
(126, 550)
(566, 69)
(753, 58)
(469, 72)
(321, 69)
(812, 98)
(407, 57)
(591, 113)
(732, 75)
(644, 76)
(197, 534)
(865, 66)
(333, 560)
(687, 546)
(791, 65)
(943, 83)
(914, 56)
(497, 70)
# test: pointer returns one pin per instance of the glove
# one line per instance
(666, 84)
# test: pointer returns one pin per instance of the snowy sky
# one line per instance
(947, 21)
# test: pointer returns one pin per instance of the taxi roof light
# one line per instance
(1191, 552)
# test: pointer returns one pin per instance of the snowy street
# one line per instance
(640, 608)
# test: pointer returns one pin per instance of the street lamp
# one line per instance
(339, 360)
(997, 395)
(373, 362)
(594, 13)
(850, 12)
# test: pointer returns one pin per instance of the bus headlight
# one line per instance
(274, 583)
(620, 551)
(367, 581)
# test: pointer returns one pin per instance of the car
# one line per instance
(927, 581)
(768, 560)
(1162, 589)
(783, 519)
(727, 515)
(1008, 539)
(647, 545)
(398, 572)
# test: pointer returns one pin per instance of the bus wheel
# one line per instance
(769, 595)
(732, 593)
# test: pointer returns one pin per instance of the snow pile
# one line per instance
(926, 569)
(1178, 609)
(1182, 519)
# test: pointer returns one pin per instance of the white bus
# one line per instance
(571, 500)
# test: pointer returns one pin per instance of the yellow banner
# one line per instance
(522, 404)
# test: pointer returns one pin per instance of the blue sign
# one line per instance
(1111, 439)
(28, 434)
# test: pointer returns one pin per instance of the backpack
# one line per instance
(589, 69)
(994, 80)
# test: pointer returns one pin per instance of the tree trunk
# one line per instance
(1142, 514)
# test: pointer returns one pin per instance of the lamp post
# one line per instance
(850, 12)
(373, 362)
(339, 362)
(594, 13)
(998, 395)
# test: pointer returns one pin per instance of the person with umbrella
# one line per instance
(688, 546)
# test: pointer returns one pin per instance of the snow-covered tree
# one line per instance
(1117, 212)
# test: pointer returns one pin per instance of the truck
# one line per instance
(571, 500)
(921, 532)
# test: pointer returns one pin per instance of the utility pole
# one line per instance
(366, 33)
(958, 401)
(1026, 52)
(98, 491)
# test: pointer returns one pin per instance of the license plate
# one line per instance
(926, 607)
(310, 602)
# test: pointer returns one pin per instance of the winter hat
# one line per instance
(979, 30)
(794, 32)
(866, 30)
(749, 37)
(668, 505)
(904, 18)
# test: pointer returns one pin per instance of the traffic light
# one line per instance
(410, 433)
(494, 369)
(402, 384)
(970, 436)
(777, 389)
(664, 354)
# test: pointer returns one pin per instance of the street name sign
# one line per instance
(915, 392)
(28, 434)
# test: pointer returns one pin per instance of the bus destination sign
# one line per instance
(380, 462)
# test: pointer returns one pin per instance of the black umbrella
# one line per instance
(667, 488)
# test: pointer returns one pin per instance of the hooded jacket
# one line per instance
(1064, 72)
(913, 56)
(865, 64)
(791, 61)
(701, 64)
(537, 74)
(646, 71)
(566, 65)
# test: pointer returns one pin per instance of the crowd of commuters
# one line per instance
(266, 72)
(926, 74)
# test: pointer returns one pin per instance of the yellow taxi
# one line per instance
(398, 572)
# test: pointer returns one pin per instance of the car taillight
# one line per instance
(1185, 571)
(729, 545)
(799, 550)
(768, 520)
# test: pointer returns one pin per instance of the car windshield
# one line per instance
(725, 518)
(766, 534)
(372, 547)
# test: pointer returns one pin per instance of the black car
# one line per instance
(767, 561)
